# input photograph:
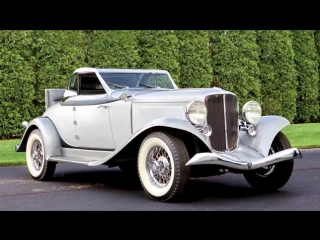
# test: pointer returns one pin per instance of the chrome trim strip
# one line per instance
(225, 121)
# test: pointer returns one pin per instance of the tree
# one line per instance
(306, 62)
(16, 82)
(113, 49)
(235, 59)
(159, 49)
(194, 59)
(317, 42)
(277, 73)
(55, 55)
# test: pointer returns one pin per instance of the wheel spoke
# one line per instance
(159, 167)
(37, 154)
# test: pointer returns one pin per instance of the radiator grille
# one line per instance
(224, 131)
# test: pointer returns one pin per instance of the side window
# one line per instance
(73, 83)
(90, 84)
(163, 81)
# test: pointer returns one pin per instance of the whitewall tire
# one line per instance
(39, 168)
(161, 166)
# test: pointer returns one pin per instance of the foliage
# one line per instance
(317, 42)
(277, 73)
(306, 62)
(16, 82)
(279, 68)
(113, 49)
(235, 59)
(159, 49)
(194, 59)
(55, 55)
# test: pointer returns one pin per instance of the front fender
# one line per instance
(49, 133)
(178, 124)
(162, 122)
(267, 129)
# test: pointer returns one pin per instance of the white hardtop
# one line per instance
(115, 70)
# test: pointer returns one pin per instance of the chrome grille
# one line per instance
(223, 112)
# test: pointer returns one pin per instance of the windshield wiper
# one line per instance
(116, 85)
(146, 85)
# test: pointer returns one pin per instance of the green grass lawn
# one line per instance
(302, 136)
(8, 156)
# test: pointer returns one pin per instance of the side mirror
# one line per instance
(123, 96)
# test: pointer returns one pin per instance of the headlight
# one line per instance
(197, 112)
(251, 112)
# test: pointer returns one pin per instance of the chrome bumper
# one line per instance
(243, 158)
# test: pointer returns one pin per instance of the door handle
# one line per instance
(102, 106)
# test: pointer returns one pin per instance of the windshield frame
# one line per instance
(102, 72)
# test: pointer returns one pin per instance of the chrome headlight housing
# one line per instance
(196, 112)
(251, 112)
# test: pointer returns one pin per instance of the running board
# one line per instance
(82, 161)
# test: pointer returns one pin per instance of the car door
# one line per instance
(64, 117)
(92, 120)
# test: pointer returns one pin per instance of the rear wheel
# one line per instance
(161, 166)
(275, 176)
(39, 168)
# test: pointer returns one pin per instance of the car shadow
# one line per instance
(227, 186)
(221, 188)
(103, 177)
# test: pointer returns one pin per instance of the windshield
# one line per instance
(137, 80)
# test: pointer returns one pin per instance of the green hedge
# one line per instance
(194, 59)
(317, 42)
(279, 68)
(55, 55)
(306, 62)
(277, 73)
(113, 49)
(159, 49)
(235, 59)
(17, 82)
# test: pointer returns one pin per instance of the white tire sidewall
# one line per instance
(142, 161)
(32, 138)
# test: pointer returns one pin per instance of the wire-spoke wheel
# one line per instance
(275, 176)
(39, 168)
(161, 166)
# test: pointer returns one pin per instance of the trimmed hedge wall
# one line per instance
(235, 59)
(277, 73)
(306, 62)
(17, 82)
(278, 68)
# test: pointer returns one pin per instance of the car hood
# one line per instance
(168, 95)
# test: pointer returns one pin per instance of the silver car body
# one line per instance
(94, 129)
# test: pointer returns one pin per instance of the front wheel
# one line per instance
(39, 168)
(161, 166)
(275, 176)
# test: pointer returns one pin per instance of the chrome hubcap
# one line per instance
(159, 167)
(37, 155)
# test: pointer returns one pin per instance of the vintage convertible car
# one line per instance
(140, 121)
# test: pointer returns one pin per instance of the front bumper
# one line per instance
(243, 158)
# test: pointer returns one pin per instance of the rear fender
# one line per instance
(51, 138)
